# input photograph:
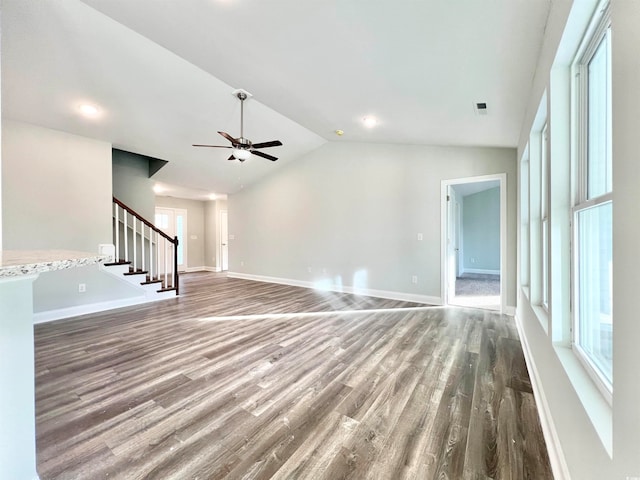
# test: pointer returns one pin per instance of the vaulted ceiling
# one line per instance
(162, 74)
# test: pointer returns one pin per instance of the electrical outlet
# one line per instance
(420, 237)
(242, 264)
(309, 269)
(82, 287)
(414, 279)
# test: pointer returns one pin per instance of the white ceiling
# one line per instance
(162, 73)
(466, 189)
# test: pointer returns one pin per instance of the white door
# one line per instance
(173, 222)
(224, 241)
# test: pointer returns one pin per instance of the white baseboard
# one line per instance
(62, 313)
(556, 456)
(407, 297)
(200, 269)
(481, 270)
(510, 310)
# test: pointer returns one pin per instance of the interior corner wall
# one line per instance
(481, 231)
(195, 234)
(349, 214)
(56, 189)
(131, 183)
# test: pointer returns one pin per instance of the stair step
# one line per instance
(137, 272)
(166, 289)
(149, 282)
(119, 262)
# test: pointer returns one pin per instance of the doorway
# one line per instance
(474, 242)
(224, 241)
(173, 222)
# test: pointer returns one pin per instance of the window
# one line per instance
(544, 215)
(524, 219)
(593, 206)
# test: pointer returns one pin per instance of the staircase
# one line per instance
(145, 256)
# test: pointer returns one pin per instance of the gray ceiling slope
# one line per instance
(163, 72)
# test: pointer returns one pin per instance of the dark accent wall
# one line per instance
(131, 180)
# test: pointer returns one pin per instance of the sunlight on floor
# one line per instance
(266, 316)
(489, 302)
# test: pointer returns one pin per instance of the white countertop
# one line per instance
(15, 263)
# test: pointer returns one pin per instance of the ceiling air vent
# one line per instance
(481, 108)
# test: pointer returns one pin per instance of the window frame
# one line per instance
(599, 30)
(545, 168)
(525, 219)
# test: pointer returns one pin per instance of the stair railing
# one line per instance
(145, 247)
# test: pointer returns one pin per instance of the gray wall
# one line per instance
(131, 183)
(349, 214)
(195, 227)
(56, 189)
(57, 195)
(481, 231)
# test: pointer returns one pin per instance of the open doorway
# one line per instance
(473, 254)
(224, 241)
(173, 222)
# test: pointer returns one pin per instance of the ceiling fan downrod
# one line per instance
(242, 97)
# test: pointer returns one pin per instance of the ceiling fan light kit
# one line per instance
(240, 154)
(242, 148)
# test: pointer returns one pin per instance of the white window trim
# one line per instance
(596, 31)
(545, 168)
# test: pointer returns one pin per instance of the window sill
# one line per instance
(595, 405)
(542, 316)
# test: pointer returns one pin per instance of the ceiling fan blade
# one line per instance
(212, 146)
(228, 137)
(264, 155)
(274, 143)
(231, 157)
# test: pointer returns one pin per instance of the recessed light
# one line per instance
(370, 122)
(213, 196)
(158, 189)
(339, 132)
(89, 110)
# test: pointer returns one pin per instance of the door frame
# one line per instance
(174, 213)
(223, 214)
(444, 217)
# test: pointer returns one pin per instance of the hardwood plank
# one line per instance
(246, 380)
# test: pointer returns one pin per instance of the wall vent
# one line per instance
(481, 108)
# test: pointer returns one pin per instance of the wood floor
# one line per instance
(246, 380)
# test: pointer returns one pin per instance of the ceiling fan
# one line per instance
(242, 148)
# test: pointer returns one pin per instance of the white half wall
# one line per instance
(57, 195)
